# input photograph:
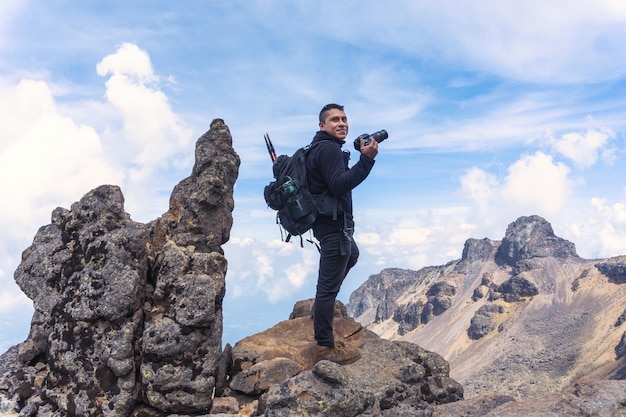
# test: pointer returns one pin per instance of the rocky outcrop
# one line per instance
(479, 250)
(375, 300)
(483, 321)
(438, 299)
(408, 316)
(182, 364)
(515, 289)
(532, 237)
(440, 296)
(388, 284)
(129, 313)
(614, 268)
(85, 273)
(277, 369)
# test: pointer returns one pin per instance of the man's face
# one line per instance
(336, 124)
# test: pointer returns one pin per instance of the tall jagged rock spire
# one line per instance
(182, 365)
(127, 312)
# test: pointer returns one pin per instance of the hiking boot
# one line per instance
(340, 353)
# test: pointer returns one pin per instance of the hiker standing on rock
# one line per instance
(327, 170)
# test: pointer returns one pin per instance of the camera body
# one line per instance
(377, 136)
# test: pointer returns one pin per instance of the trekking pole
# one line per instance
(270, 148)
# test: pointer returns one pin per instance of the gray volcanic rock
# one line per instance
(440, 296)
(516, 288)
(182, 364)
(85, 273)
(532, 237)
(614, 268)
(128, 313)
(483, 321)
(479, 249)
(391, 378)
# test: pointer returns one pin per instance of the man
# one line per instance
(327, 170)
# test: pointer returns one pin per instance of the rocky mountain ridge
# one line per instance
(522, 316)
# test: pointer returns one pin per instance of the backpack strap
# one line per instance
(326, 191)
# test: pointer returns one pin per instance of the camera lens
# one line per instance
(377, 136)
(380, 136)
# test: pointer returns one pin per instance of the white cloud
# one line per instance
(584, 149)
(149, 123)
(45, 154)
(372, 239)
(273, 268)
(534, 184)
(558, 41)
(45, 158)
(411, 239)
(612, 230)
(14, 300)
(129, 61)
(537, 185)
(599, 230)
(407, 235)
(480, 187)
(11, 297)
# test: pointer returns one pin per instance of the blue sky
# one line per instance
(495, 110)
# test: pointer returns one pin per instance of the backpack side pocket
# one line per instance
(272, 196)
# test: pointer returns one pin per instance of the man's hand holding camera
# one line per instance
(370, 149)
(368, 144)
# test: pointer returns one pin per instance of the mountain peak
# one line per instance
(532, 237)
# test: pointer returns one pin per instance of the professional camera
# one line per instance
(378, 137)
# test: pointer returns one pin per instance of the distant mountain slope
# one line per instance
(523, 316)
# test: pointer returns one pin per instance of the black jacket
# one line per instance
(327, 169)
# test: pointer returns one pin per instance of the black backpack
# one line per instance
(289, 194)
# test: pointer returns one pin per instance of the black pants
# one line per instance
(338, 254)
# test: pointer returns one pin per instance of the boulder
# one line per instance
(483, 321)
(406, 376)
(516, 288)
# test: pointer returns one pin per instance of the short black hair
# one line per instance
(328, 107)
